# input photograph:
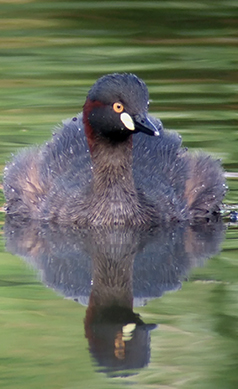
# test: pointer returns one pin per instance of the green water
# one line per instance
(50, 54)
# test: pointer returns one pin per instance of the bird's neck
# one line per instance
(114, 196)
(112, 166)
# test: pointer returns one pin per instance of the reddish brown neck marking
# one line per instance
(89, 132)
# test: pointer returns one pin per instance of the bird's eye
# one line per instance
(118, 107)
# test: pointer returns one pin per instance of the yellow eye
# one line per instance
(118, 107)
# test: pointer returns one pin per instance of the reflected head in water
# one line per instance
(112, 271)
(118, 338)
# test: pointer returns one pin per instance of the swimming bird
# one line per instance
(114, 164)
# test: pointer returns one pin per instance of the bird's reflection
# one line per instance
(111, 271)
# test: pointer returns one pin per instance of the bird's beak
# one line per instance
(141, 123)
(144, 124)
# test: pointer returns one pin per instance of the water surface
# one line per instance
(51, 53)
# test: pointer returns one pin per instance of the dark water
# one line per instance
(51, 53)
